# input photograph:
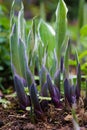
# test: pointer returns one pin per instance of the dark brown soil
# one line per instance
(13, 118)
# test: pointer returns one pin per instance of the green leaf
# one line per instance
(30, 43)
(66, 58)
(82, 55)
(22, 57)
(80, 15)
(14, 50)
(42, 76)
(42, 10)
(47, 35)
(85, 13)
(61, 25)
(83, 31)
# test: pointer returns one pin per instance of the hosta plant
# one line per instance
(42, 54)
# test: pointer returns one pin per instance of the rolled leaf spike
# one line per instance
(23, 98)
(54, 92)
(57, 79)
(35, 102)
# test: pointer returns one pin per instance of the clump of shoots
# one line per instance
(29, 52)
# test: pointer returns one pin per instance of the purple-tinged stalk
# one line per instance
(73, 95)
(42, 75)
(29, 77)
(44, 91)
(22, 97)
(62, 64)
(69, 92)
(57, 79)
(35, 102)
(59, 73)
(54, 92)
(78, 84)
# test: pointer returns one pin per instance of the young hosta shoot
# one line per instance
(61, 25)
(78, 84)
(42, 75)
(47, 35)
(57, 79)
(73, 95)
(44, 91)
(19, 86)
(67, 92)
(54, 92)
(14, 50)
(47, 39)
(29, 77)
(22, 56)
(58, 76)
(35, 102)
(70, 93)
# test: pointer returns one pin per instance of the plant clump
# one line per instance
(43, 55)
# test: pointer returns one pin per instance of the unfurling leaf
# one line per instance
(14, 50)
(22, 56)
(57, 79)
(35, 101)
(42, 76)
(67, 91)
(54, 92)
(61, 25)
(44, 91)
(73, 94)
(29, 77)
(19, 86)
(47, 35)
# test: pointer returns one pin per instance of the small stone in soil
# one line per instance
(1, 123)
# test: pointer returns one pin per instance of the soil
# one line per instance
(13, 118)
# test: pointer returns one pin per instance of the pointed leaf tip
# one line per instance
(19, 86)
